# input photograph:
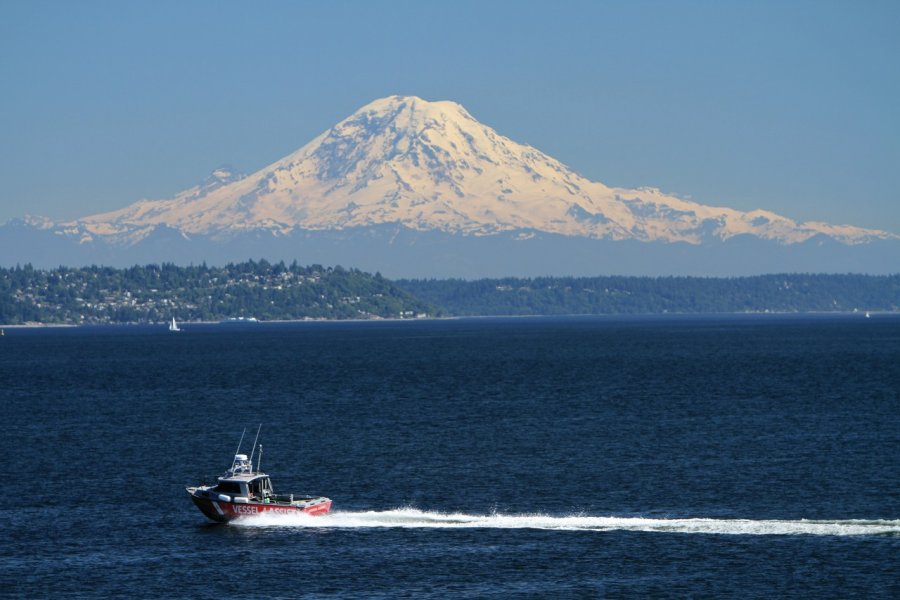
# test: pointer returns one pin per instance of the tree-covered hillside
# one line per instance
(156, 293)
(649, 295)
(266, 291)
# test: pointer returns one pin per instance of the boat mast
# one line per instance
(253, 450)
(240, 442)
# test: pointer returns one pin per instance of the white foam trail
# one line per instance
(418, 519)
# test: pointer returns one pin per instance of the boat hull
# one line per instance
(222, 512)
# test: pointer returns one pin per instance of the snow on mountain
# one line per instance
(430, 166)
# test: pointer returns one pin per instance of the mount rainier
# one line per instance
(416, 188)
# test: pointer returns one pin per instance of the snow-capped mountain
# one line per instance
(403, 164)
(432, 166)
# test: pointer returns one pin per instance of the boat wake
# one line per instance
(419, 519)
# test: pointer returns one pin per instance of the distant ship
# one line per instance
(173, 326)
(238, 320)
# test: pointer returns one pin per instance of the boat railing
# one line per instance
(281, 497)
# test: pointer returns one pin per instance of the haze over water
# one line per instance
(738, 456)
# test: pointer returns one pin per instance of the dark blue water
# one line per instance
(740, 457)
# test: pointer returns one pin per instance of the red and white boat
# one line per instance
(243, 492)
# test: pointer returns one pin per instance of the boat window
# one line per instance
(229, 486)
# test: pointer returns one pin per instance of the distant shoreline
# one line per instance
(42, 325)
(281, 293)
(249, 325)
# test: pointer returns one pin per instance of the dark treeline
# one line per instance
(266, 291)
(657, 295)
(156, 293)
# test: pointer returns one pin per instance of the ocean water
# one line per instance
(482, 458)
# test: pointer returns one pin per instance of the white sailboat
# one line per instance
(173, 326)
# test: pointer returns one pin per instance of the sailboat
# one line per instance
(173, 326)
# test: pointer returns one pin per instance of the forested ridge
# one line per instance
(277, 291)
(659, 295)
(157, 293)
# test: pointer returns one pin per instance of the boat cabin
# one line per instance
(252, 488)
(243, 484)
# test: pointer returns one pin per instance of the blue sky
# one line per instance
(789, 106)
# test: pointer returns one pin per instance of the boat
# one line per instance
(173, 326)
(239, 321)
(245, 492)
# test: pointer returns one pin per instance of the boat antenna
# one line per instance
(240, 442)
(253, 450)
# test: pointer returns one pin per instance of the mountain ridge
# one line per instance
(421, 186)
(432, 166)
